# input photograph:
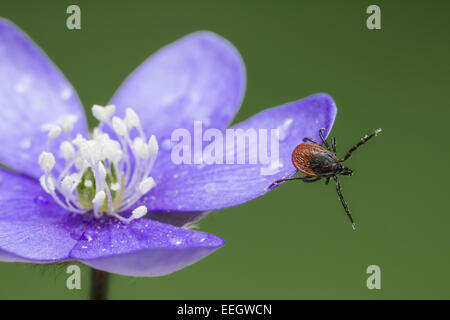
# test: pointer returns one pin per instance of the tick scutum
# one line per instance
(323, 163)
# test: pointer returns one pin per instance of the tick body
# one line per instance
(318, 162)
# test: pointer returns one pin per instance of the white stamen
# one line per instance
(103, 114)
(80, 163)
(146, 185)
(115, 186)
(103, 164)
(78, 140)
(54, 132)
(139, 212)
(90, 151)
(99, 198)
(67, 125)
(141, 148)
(153, 145)
(110, 109)
(76, 178)
(67, 184)
(67, 150)
(46, 161)
(131, 118)
(119, 126)
(102, 170)
(47, 182)
(112, 149)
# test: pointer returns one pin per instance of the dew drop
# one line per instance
(25, 143)
(166, 144)
(176, 241)
(23, 84)
(87, 236)
(199, 236)
(66, 93)
(41, 200)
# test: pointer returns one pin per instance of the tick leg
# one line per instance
(341, 197)
(311, 180)
(333, 144)
(310, 140)
(327, 181)
(325, 143)
(360, 143)
(289, 179)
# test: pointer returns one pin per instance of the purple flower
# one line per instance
(46, 217)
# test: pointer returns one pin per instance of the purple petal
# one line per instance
(33, 94)
(32, 226)
(210, 187)
(177, 219)
(143, 247)
(9, 257)
(199, 77)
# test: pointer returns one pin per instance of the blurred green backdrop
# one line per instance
(295, 242)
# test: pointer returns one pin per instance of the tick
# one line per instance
(318, 162)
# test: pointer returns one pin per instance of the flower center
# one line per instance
(101, 174)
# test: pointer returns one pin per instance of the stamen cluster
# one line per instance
(101, 174)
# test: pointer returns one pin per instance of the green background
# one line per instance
(295, 242)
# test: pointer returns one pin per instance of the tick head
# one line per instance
(343, 170)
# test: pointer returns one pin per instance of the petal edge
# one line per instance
(143, 248)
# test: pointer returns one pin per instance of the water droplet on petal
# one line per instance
(166, 144)
(87, 236)
(41, 200)
(199, 236)
(176, 241)
(25, 143)
(23, 84)
(66, 93)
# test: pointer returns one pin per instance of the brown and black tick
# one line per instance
(318, 162)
